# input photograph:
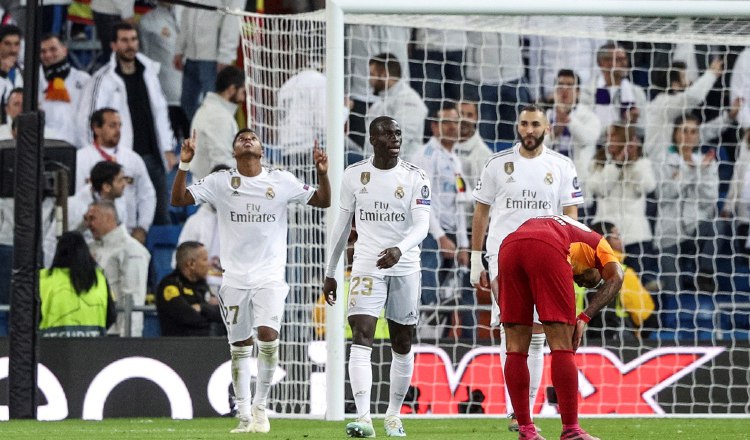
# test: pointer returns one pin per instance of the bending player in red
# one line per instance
(536, 264)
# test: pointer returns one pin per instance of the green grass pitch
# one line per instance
(432, 429)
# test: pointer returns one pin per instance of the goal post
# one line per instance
(273, 48)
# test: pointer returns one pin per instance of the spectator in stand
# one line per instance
(107, 181)
(574, 128)
(301, 115)
(737, 202)
(206, 44)
(363, 43)
(214, 122)
(124, 261)
(494, 73)
(549, 55)
(107, 13)
(12, 108)
(181, 296)
(139, 195)
(397, 100)
(75, 297)
(688, 190)
(448, 239)
(129, 84)
(619, 180)
(62, 86)
(11, 70)
(470, 148)
(158, 30)
(680, 97)
(740, 87)
(611, 94)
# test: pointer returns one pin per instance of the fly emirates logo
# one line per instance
(528, 200)
(381, 213)
(253, 215)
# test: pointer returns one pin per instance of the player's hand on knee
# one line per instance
(580, 327)
(476, 270)
(329, 290)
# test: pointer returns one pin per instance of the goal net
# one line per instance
(676, 340)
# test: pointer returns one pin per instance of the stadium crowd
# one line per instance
(655, 133)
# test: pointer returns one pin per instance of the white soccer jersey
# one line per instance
(252, 216)
(519, 189)
(382, 202)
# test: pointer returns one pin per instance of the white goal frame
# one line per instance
(335, 9)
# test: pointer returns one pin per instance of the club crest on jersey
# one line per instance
(548, 179)
(425, 192)
(235, 182)
(270, 194)
(364, 177)
(509, 168)
(399, 192)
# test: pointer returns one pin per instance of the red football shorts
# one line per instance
(535, 273)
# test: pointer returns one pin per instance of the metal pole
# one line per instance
(335, 371)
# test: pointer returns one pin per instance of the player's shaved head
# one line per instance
(376, 126)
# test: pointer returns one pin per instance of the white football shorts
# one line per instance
(400, 295)
(244, 310)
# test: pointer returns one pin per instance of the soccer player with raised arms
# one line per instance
(517, 184)
(389, 199)
(251, 207)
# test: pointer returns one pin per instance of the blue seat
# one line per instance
(161, 243)
(151, 326)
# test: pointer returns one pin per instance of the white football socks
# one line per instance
(268, 359)
(360, 379)
(241, 378)
(402, 368)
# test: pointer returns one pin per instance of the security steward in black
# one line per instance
(180, 296)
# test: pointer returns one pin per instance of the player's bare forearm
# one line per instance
(180, 195)
(613, 275)
(479, 225)
(322, 196)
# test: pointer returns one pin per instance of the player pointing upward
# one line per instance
(251, 208)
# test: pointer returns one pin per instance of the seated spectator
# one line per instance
(470, 148)
(11, 70)
(181, 296)
(75, 297)
(13, 107)
(619, 180)
(139, 195)
(107, 181)
(688, 190)
(737, 202)
(124, 261)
